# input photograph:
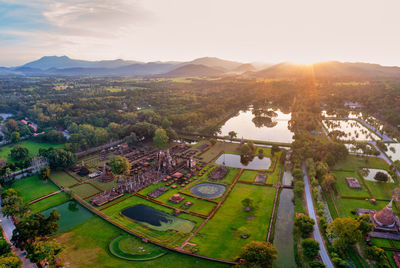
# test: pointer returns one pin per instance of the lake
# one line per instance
(275, 131)
(233, 160)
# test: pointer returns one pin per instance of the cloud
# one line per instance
(99, 18)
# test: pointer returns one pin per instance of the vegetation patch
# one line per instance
(33, 187)
(129, 248)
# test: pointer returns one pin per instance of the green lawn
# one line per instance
(32, 146)
(49, 202)
(63, 179)
(249, 175)
(344, 189)
(345, 206)
(228, 179)
(353, 162)
(33, 187)
(84, 190)
(380, 242)
(381, 190)
(219, 239)
(86, 245)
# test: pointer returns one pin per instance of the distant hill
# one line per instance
(224, 65)
(328, 69)
(191, 70)
(244, 68)
(48, 62)
(206, 66)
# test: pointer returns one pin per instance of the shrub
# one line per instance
(310, 248)
(380, 176)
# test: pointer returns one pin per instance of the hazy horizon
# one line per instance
(154, 30)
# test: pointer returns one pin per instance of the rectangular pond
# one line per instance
(156, 219)
(352, 129)
(71, 214)
(252, 127)
(234, 160)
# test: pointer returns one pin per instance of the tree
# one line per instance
(257, 253)
(32, 227)
(5, 248)
(10, 262)
(322, 168)
(213, 142)
(119, 165)
(310, 248)
(297, 173)
(44, 173)
(160, 138)
(305, 225)
(328, 182)
(131, 140)
(15, 137)
(245, 150)
(13, 204)
(275, 149)
(365, 225)
(247, 204)
(298, 189)
(375, 253)
(345, 231)
(19, 152)
(232, 134)
(44, 250)
(316, 264)
(165, 123)
(58, 158)
(380, 176)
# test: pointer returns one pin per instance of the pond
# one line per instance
(233, 160)
(283, 236)
(156, 219)
(369, 174)
(71, 214)
(248, 126)
(393, 151)
(208, 190)
(353, 130)
(287, 178)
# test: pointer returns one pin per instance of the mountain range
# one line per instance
(201, 67)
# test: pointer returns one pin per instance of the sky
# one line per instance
(267, 31)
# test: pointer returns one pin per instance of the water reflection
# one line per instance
(260, 124)
(236, 161)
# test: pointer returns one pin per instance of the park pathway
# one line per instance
(8, 227)
(311, 212)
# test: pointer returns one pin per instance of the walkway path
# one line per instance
(8, 227)
(311, 212)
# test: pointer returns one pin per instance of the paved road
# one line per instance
(8, 228)
(311, 212)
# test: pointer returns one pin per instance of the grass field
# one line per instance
(84, 190)
(353, 162)
(343, 188)
(249, 175)
(86, 246)
(63, 179)
(33, 187)
(219, 239)
(49, 202)
(32, 146)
